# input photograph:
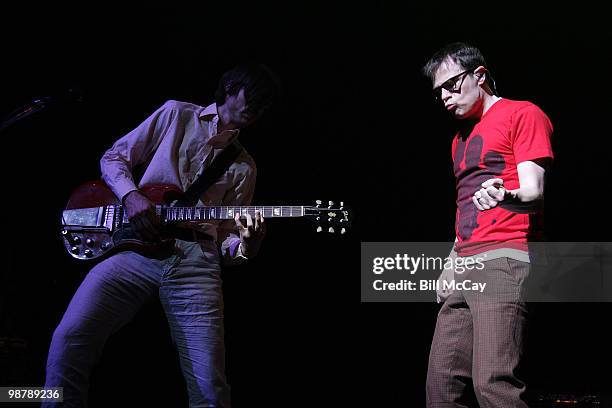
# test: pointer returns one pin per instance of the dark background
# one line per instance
(356, 124)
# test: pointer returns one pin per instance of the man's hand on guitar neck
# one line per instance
(141, 213)
(252, 235)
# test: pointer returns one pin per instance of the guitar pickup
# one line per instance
(84, 217)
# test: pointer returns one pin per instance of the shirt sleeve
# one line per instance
(227, 233)
(133, 149)
(531, 134)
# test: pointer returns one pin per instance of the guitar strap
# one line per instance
(211, 174)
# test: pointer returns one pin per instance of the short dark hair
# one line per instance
(261, 86)
(466, 55)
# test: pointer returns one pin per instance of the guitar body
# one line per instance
(96, 193)
(87, 234)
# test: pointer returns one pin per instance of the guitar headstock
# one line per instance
(330, 218)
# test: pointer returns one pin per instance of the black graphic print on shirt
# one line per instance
(470, 176)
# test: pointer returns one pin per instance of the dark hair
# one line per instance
(261, 86)
(466, 55)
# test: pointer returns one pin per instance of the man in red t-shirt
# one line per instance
(500, 156)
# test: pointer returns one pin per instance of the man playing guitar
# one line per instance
(174, 146)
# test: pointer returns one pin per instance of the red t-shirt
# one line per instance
(510, 132)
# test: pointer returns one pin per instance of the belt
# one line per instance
(188, 234)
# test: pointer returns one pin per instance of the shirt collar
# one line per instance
(210, 110)
(222, 139)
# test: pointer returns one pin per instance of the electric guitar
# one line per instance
(95, 224)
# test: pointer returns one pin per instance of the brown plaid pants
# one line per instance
(478, 341)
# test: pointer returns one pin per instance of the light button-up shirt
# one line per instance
(174, 146)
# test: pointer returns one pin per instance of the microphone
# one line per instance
(39, 103)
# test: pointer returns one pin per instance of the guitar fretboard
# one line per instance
(170, 214)
(227, 213)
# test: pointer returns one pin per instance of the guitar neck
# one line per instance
(169, 214)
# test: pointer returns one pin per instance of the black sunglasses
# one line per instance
(452, 84)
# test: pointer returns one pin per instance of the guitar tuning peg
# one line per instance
(319, 202)
(341, 205)
(331, 204)
(319, 229)
(331, 230)
(343, 231)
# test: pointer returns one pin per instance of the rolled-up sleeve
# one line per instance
(135, 148)
(240, 195)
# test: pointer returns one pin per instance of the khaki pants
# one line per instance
(478, 341)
